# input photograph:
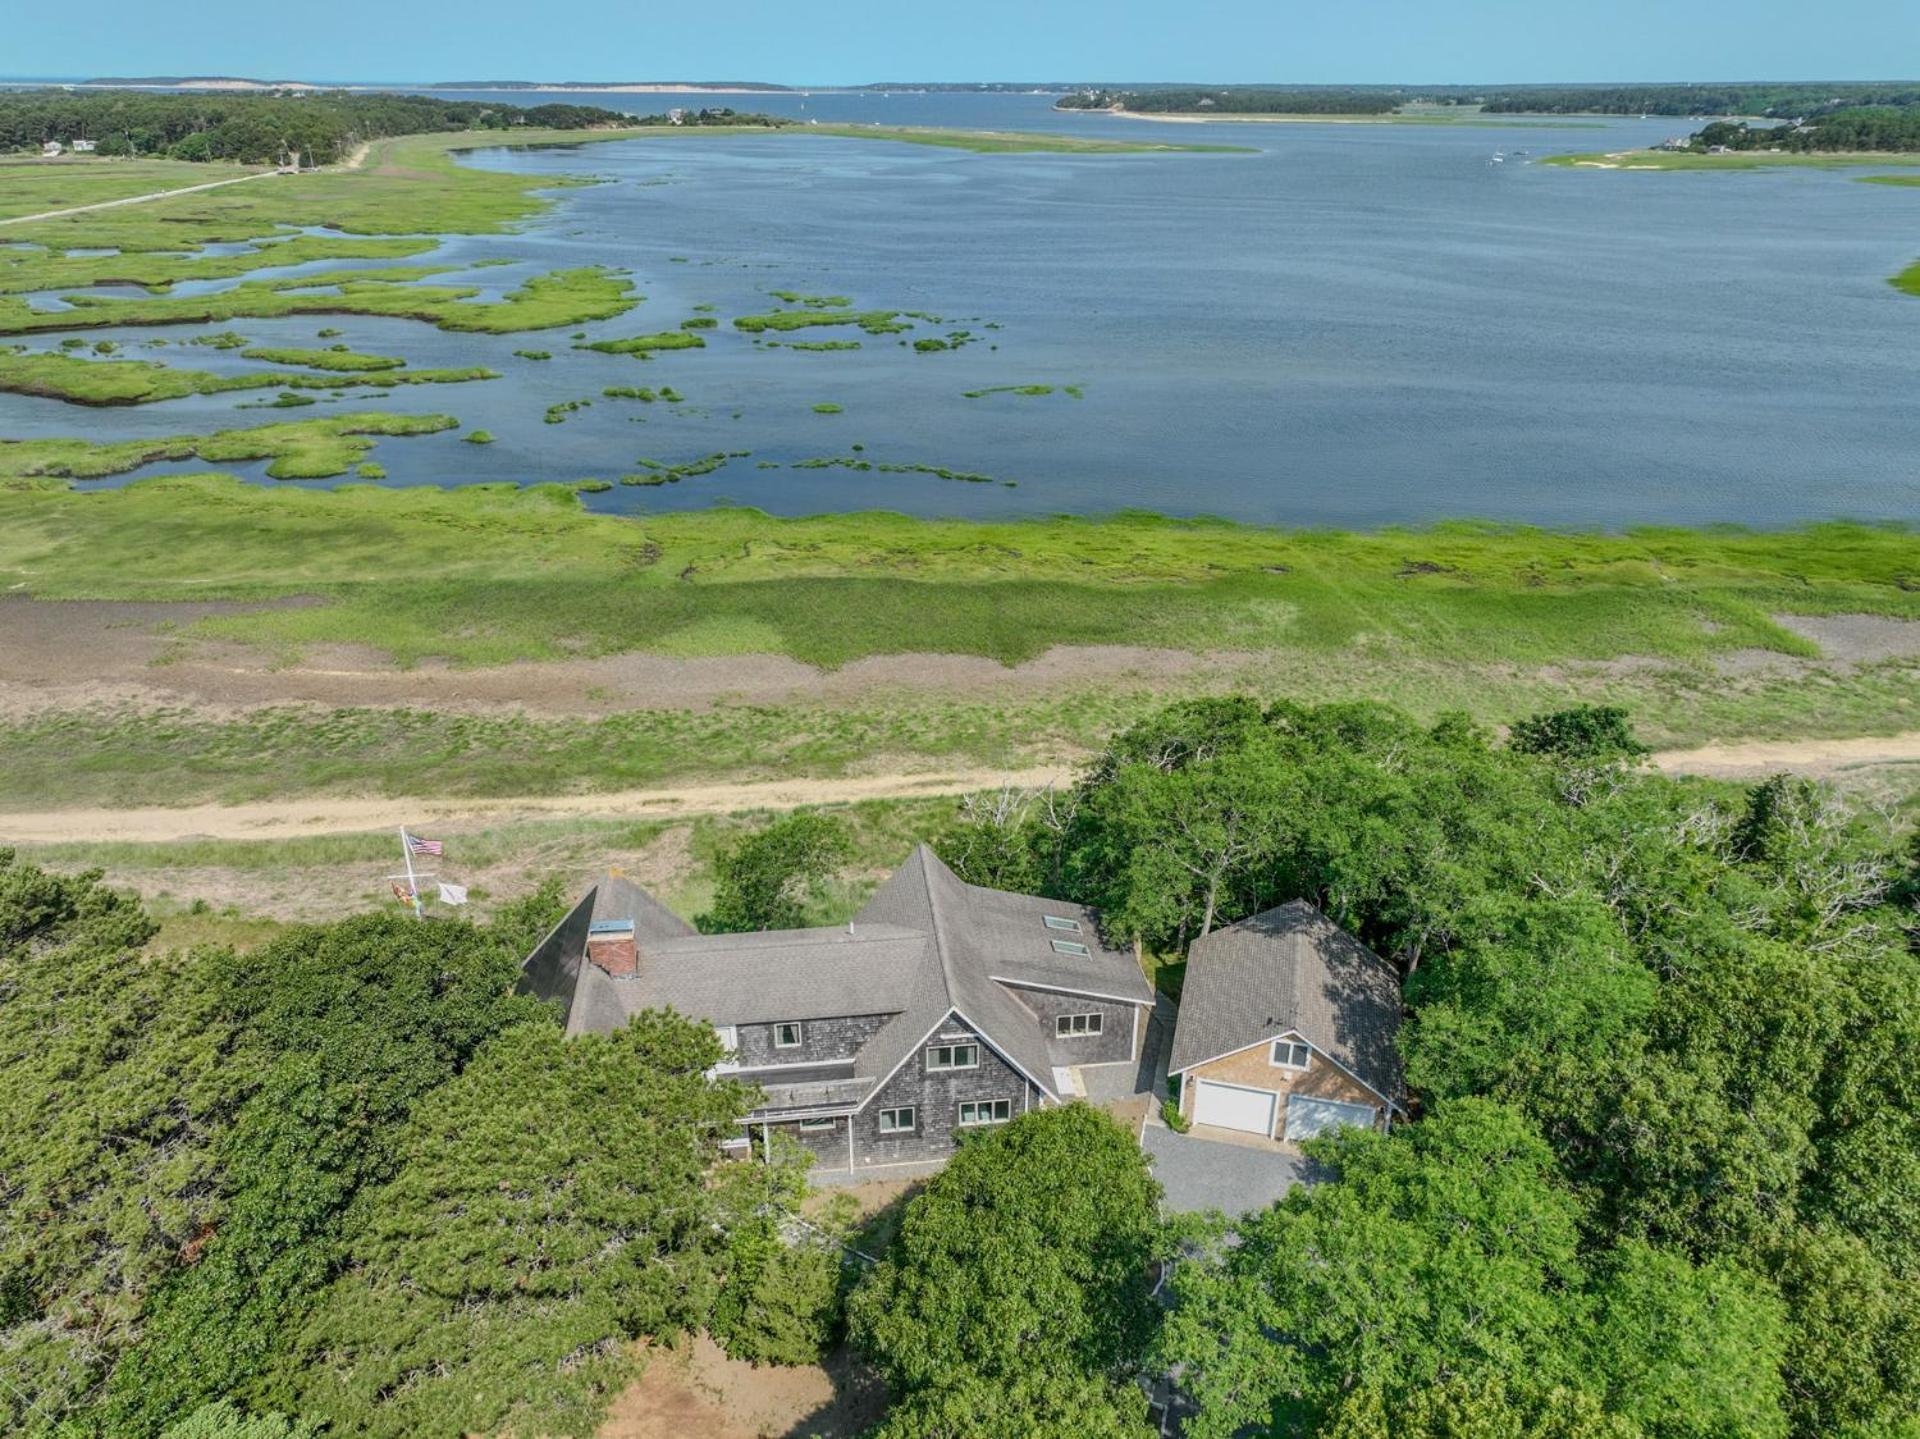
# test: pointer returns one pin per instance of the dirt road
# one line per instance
(1743, 758)
(292, 818)
(136, 199)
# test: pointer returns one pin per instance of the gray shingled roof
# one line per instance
(973, 934)
(617, 897)
(925, 945)
(1291, 968)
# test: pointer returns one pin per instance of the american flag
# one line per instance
(417, 845)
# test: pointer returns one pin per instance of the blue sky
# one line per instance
(827, 42)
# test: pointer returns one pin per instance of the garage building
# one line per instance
(1286, 1029)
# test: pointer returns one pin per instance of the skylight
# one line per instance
(1067, 946)
(1060, 921)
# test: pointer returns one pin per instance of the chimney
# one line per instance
(610, 945)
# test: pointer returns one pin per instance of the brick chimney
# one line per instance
(610, 945)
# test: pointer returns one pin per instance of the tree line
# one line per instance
(258, 129)
(1879, 128)
(1796, 101)
(1662, 1179)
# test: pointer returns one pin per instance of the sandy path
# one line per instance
(289, 819)
(1741, 758)
(293, 818)
(137, 199)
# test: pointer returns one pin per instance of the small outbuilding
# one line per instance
(52, 149)
(1287, 1027)
(84, 147)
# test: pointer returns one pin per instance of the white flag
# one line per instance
(453, 893)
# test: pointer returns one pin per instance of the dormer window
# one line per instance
(1290, 1054)
(1068, 946)
(787, 1035)
(1060, 921)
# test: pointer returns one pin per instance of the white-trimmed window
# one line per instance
(816, 1126)
(897, 1121)
(1074, 1026)
(952, 1056)
(976, 1112)
(1290, 1054)
(787, 1034)
(1068, 946)
(1060, 921)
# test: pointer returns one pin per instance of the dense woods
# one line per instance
(322, 126)
(1880, 128)
(1666, 1181)
(1662, 1181)
(1796, 101)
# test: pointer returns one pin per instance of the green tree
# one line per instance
(556, 1201)
(352, 1026)
(1029, 1254)
(767, 879)
(1444, 1250)
(1584, 732)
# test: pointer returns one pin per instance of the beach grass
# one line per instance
(296, 450)
(30, 186)
(60, 376)
(562, 297)
(488, 574)
(1735, 160)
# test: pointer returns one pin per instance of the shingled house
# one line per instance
(1287, 1027)
(941, 1007)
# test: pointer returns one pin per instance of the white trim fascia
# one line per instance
(1391, 1104)
(887, 1078)
(1063, 989)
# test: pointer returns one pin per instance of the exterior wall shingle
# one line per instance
(1252, 1068)
(821, 1041)
(936, 1100)
(1114, 1042)
(829, 1145)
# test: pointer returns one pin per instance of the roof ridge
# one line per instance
(924, 853)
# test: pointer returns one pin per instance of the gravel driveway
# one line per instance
(1207, 1174)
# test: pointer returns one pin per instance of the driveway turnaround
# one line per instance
(1207, 1174)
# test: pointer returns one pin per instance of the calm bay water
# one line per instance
(1356, 325)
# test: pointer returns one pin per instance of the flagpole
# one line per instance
(413, 887)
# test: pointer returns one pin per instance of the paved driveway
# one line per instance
(1209, 1174)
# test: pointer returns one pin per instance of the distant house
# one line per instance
(52, 149)
(941, 1007)
(84, 147)
(1286, 1029)
(676, 116)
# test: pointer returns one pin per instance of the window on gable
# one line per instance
(952, 1056)
(975, 1112)
(787, 1035)
(1060, 921)
(1068, 946)
(1072, 1026)
(897, 1121)
(1290, 1054)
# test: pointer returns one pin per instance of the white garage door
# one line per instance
(1308, 1117)
(1231, 1107)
